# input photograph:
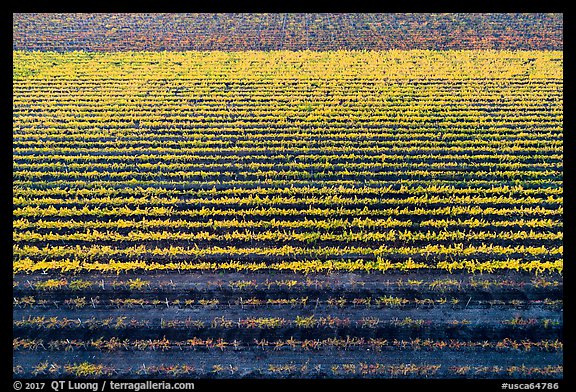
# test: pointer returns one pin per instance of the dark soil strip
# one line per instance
(127, 362)
(472, 298)
(390, 332)
(434, 284)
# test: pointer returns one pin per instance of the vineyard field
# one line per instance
(286, 31)
(337, 214)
